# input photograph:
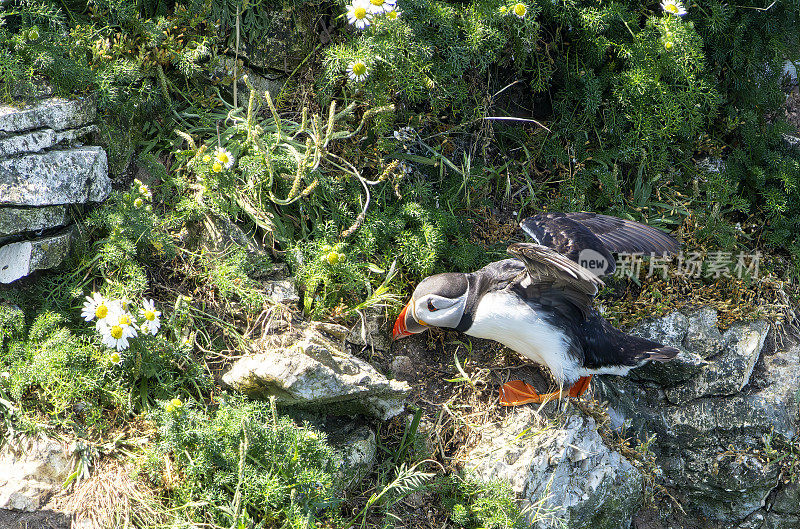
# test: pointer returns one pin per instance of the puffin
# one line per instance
(539, 302)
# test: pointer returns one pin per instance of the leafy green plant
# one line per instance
(241, 462)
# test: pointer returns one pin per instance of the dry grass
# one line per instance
(112, 498)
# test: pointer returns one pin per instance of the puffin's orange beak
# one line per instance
(406, 324)
(400, 330)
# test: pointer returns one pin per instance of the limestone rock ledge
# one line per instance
(45, 171)
(712, 411)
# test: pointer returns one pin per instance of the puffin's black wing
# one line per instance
(548, 268)
(572, 233)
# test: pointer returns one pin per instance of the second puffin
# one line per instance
(540, 303)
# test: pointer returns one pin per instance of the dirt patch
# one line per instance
(43, 519)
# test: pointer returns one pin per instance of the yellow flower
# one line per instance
(115, 358)
(520, 10)
(207, 158)
(138, 203)
(217, 167)
(668, 45)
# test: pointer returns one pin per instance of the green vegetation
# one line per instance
(361, 188)
(473, 503)
(241, 462)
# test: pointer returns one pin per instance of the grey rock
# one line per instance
(355, 449)
(754, 521)
(314, 373)
(791, 141)
(49, 252)
(566, 475)
(730, 371)
(261, 83)
(790, 71)
(668, 330)
(39, 140)
(402, 365)
(372, 331)
(55, 113)
(21, 220)
(683, 367)
(281, 290)
(72, 176)
(711, 165)
(284, 40)
(787, 500)
(21, 258)
(32, 469)
(780, 521)
(702, 335)
(707, 425)
(693, 333)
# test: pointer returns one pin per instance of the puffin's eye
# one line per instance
(431, 308)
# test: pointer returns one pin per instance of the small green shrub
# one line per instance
(127, 233)
(473, 503)
(241, 462)
(57, 373)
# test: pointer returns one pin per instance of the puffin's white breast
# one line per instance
(505, 318)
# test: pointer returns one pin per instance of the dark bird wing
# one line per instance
(572, 233)
(555, 280)
(548, 267)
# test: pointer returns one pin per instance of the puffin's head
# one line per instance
(438, 301)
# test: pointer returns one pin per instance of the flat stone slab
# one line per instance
(39, 140)
(72, 176)
(55, 113)
(21, 258)
(21, 220)
(314, 374)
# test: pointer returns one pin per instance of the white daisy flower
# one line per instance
(224, 157)
(376, 7)
(673, 7)
(95, 306)
(357, 71)
(152, 321)
(359, 13)
(116, 331)
(520, 10)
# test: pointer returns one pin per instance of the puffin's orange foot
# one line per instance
(579, 387)
(517, 392)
